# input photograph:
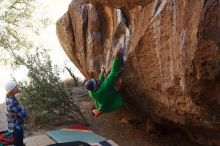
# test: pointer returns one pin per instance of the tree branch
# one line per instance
(73, 76)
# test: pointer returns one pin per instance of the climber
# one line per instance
(103, 92)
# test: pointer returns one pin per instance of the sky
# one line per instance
(53, 9)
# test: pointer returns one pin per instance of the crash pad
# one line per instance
(6, 138)
(75, 143)
(76, 132)
(70, 135)
(39, 140)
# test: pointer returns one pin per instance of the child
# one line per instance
(15, 113)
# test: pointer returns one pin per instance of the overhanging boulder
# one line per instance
(172, 59)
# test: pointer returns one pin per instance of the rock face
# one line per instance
(172, 56)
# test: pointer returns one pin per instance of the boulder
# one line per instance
(172, 56)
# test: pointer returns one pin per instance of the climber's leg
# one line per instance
(121, 57)
(119, 80)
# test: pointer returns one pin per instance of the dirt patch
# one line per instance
(127, 128)
(123, 126)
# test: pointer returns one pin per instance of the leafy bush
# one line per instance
(44, 94)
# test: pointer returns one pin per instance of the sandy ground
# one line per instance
(3, 119)
(123, 126)
(128, 129)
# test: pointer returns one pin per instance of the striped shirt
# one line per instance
(15, 113)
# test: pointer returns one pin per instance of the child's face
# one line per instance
(16, 89)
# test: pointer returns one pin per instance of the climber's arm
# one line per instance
(101, 76)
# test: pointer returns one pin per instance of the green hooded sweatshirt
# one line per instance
(106, 98)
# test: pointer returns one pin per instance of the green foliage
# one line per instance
(15, 20)
(19, 26)
(44, 94)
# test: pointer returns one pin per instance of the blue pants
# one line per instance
(18, 137)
